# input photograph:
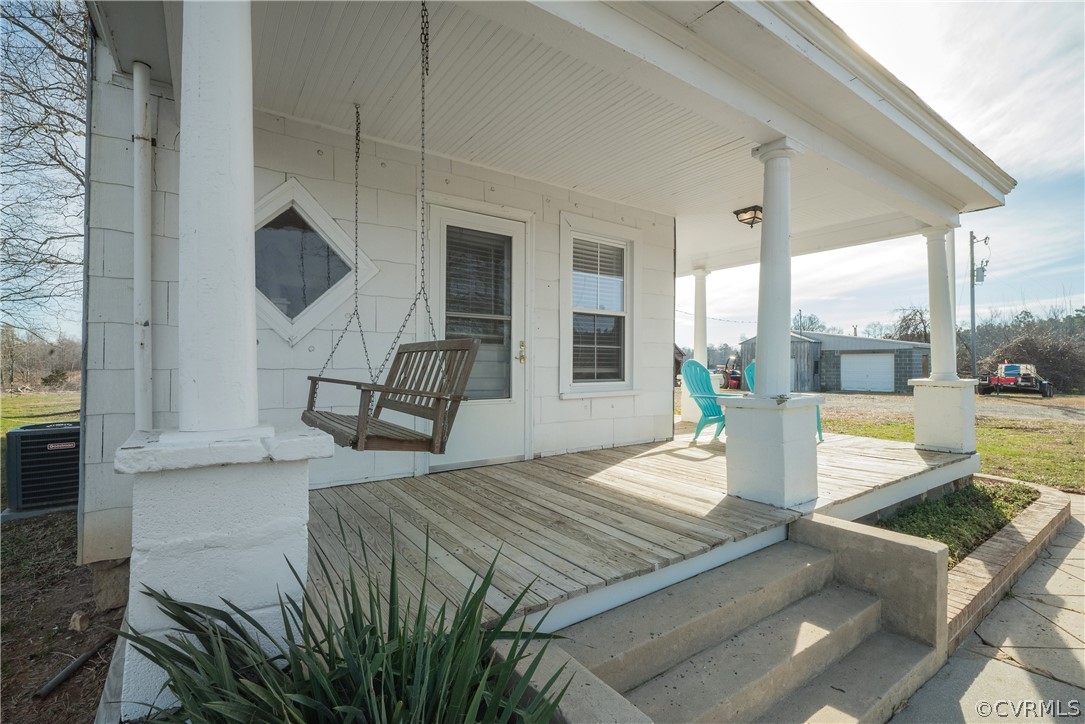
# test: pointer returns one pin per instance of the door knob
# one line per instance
(523, 353)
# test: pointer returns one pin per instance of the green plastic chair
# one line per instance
(699, 383)
(748, 374)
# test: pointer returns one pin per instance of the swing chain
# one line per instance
(422, 292)
(424, 226)
(354, 315)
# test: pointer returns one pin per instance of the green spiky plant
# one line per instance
(354, 655)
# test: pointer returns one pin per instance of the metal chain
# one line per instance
(424, 229)
(422, 294)
(354, 315)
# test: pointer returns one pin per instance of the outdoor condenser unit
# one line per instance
(43, 465)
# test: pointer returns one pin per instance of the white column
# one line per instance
(951, 272)
(217, 308)
(773, 376)
(772, 443)
(943, 332)
(219, 508)
(945, 405)
(142, 177)
(700, 317)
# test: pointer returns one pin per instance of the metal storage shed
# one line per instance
(828, 362)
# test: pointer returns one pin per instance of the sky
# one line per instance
(1011, 77)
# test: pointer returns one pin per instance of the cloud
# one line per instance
(1009, 76)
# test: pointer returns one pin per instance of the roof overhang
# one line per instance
(652, 105)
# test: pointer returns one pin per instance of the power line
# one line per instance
(717, 319)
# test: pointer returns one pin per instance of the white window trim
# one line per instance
(574, 226)
(292, 193)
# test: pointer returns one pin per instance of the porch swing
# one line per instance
(426, 379)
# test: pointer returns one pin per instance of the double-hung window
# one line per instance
(599, 311)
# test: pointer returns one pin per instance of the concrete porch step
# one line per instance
(867, 685)
(633, 643)
(742, 677)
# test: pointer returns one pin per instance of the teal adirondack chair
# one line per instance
(699, 383)
(748, 374)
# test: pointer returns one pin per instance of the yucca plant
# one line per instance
(358, 654)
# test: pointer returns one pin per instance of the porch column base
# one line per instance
(772, 449)
(945, 415)
(213, 518)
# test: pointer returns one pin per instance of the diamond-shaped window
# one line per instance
(294, 264)
(302, 272)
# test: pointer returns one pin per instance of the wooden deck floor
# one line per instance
(573, 523)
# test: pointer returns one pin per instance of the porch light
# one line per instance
(750, 215)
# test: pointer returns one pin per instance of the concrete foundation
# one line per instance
(109, 581)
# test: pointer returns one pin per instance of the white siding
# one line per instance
(105, 500)
(322, 161)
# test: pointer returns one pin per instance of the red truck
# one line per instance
(1012, 377)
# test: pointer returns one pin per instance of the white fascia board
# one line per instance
(653, 51)
(821, 41)
(100, 24)
(174, 14)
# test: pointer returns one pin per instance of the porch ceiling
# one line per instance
(543, 93)
(503, 99)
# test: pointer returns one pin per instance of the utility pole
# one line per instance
(972, 279)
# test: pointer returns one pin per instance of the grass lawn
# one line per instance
(1048, 453)
(19, 410)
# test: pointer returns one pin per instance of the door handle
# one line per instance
(522, 357)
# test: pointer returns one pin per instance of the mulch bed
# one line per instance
(41, 588)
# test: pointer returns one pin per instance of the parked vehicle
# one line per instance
(1015, 378)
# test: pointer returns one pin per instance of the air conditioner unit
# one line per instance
(43, 465)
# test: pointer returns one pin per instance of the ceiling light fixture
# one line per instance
(750, 215)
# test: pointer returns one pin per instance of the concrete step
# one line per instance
(867, 685)
(741, 678)
(633, 643)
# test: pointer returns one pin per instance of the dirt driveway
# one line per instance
(850, 405)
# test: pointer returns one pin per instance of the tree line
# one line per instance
(28, 362)
(1054, 341)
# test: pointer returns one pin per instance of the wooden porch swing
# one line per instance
(426, 380)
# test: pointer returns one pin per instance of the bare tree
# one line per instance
(28, 362)
(43, 92)
(812, 323)
(913, 325)
(879, 330)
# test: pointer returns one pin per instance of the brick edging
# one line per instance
(978, 582)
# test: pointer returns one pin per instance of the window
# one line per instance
(478, 303)
(598, 309)
(294, 264)
(303, 262)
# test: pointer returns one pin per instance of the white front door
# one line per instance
(479, 270)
